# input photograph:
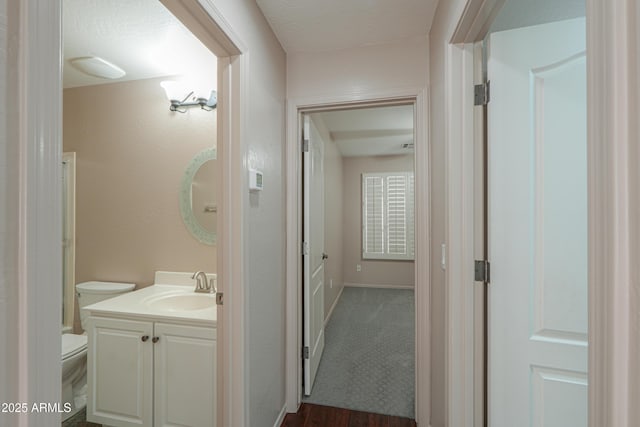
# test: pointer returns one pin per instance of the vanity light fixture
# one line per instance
(178, 102)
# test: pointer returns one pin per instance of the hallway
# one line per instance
(368, 361)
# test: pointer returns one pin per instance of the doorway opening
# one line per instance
(358, 240)
(131, 220)
(187, 23)
(40, 140)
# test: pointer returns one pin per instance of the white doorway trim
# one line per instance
(295, 107)
(460, 289)
(614, 301)
(39, 132)
(39, 259)
(207, 23)
(613, 82)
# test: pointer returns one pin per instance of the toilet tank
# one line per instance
(93, 292)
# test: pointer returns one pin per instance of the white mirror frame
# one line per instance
(186, 211)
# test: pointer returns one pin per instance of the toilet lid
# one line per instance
(72, 344)
(96, 287)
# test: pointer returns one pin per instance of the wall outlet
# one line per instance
(358, 267)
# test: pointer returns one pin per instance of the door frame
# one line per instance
(295, 107)
(461, 291)
(39, 132)
(612, 181)
(69, 238)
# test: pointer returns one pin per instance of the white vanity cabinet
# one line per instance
(184, 376)
(150, 373)
(120, 372)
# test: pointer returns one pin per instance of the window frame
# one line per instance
(409, 217)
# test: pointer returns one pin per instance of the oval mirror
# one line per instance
(198, 205)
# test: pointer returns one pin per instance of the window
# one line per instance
(387, 216)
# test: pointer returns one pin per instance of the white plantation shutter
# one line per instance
(387, 215)
(396, 214)
(410, 218)
(374, 215)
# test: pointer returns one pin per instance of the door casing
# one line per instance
(610, 193)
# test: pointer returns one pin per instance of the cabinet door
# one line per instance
(185, 383)
(120, 369)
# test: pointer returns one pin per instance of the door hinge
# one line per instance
(305, 145)
(305, 248)
(481, 93)
(219, 297)
(482, 271)
(305, 352)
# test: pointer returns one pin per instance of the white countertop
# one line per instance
(136, 305)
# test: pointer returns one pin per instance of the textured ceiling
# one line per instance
(140, 36)
(312, 25)
(371, 131)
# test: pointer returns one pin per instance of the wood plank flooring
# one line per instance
(310, 415)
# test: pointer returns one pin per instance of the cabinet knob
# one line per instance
(145, 338)
(155, 339)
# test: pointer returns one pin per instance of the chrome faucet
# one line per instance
(203, 283)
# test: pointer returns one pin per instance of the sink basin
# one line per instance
(182, 302)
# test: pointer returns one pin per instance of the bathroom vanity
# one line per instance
(152, 358)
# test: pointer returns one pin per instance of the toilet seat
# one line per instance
(73, 344)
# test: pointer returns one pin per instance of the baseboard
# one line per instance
(333, 306)
(280, 419)
(378, 286)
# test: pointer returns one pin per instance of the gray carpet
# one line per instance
(368, 360)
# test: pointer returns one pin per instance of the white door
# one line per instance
(538, 227)
(313, 250)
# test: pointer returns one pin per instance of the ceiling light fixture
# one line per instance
(97, 67)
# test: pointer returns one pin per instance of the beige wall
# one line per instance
(388, 273)
(264, 213)
(132, 153)
(394, 66)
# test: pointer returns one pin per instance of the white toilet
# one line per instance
(74, 347)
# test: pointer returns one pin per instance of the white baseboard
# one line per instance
(333, 306)
(378, 286)
(280, 419)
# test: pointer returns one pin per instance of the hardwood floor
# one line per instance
(310, 415)
(78, 420)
